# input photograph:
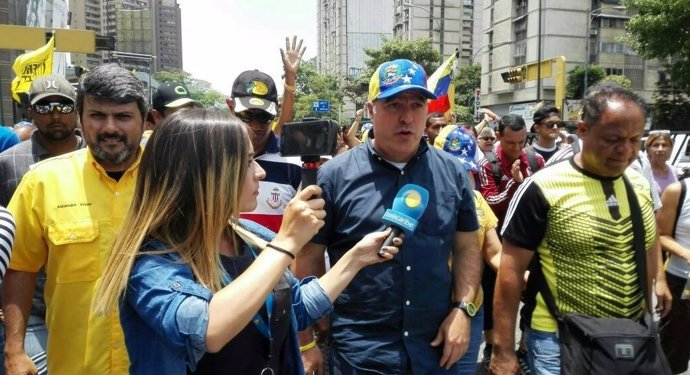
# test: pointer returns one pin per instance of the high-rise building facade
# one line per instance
(446, 22)
(168, 35)
(520, 32)
(346, 28)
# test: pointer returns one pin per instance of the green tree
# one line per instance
(467, 79)
(660, 29)
(420, 51)
(311, 86)
(575, 86)
(671, 107)
(199, 90)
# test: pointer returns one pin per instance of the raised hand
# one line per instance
(292, 56)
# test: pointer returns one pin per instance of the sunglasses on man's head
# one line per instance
(258, 117)
(46, 108)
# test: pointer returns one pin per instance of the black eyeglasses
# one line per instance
(47, 108)
(258, 117)
(487, 139)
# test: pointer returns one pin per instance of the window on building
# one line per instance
(614, 71)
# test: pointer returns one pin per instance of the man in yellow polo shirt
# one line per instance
(68, 210)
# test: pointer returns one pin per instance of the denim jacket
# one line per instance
(164, 314)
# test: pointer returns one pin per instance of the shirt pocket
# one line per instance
(440, 215)
(76, 251)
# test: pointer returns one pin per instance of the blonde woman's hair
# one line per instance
(189, 185)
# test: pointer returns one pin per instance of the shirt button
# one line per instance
(408, 268)
(407, 302)
(117, 193)
(72, 236)
(176, 285)
(406, 333)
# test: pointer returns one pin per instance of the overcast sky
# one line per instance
(222, 38)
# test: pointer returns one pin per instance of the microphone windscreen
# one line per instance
(408, 206)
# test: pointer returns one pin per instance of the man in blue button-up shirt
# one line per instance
(398, 317)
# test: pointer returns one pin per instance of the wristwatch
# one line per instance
(467, 307)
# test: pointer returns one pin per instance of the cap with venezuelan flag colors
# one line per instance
(394, 77)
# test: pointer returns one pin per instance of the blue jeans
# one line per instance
(34, 345)
(468, 362)
(543, 352)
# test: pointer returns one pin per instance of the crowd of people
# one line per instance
(166, 238)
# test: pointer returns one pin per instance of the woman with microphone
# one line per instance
(200, 291)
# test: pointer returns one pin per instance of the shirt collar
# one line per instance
(272, 145)
(423, 147)
(95, 164)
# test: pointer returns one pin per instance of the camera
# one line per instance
(309, 137)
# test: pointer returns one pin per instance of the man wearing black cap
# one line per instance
(52, 112)
(168, 98)
(548, 126)
(254, 100)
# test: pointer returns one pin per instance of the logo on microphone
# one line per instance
(408, 206)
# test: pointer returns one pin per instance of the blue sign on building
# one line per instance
(321, 106)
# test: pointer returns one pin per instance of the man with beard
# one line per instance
(52, 112)
(68, 210)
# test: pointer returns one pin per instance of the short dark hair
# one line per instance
(432, 116)
(596, 101)
(112, 83)
(513, 121)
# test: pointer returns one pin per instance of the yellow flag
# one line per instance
(30, 65)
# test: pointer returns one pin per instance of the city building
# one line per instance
(144, 35)
(345, 29)
(518, 32)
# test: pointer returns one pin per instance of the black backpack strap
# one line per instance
(681, 202)
(495, 168)
(638, 247)
(532, 159)
(639, 234)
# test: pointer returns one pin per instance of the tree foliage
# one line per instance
(576, 77)
(420, 51)
(467, 79)
(671, 108)
(311, 86)
(661, 30)
(199, 90)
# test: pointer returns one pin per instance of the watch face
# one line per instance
(471, 309)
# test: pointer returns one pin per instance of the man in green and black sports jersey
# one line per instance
(577, 218)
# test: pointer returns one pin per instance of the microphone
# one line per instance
(408, 206)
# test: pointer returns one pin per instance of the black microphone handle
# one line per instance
(308, 176)
(389, 241)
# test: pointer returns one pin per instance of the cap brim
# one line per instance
(182, 102)
(404, 88)
(245, 103)
(44, 95)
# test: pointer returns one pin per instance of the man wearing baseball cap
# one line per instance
(548, 126)
(52, 113)
(254, 100)
(168, 98)
(381, 310)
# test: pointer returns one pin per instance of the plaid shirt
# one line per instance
(17, 160)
